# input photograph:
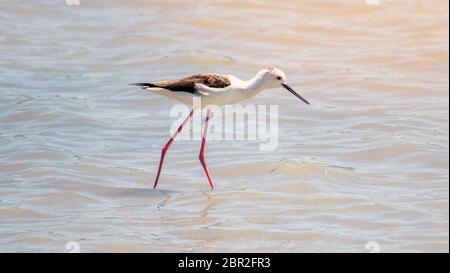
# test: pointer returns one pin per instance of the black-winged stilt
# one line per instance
(214, 89)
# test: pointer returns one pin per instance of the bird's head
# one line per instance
(274, 78)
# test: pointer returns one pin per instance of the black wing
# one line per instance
(188, 84)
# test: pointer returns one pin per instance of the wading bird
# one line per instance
(214, 89)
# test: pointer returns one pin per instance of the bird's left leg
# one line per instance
(202, 150)
(167, 146)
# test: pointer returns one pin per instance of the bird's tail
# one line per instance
(144, 84)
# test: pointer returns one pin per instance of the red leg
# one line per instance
(202, 150)
(166, 147)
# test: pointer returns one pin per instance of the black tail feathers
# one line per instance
(144, 84)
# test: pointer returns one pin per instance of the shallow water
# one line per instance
(367, 161)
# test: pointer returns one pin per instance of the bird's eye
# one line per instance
(279, 78)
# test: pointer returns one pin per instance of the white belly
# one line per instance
(219, 98)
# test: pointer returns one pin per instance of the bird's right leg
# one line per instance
(202, 150)
(166, 147)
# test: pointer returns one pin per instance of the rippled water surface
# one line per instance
(367, 161)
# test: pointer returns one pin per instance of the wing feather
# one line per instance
(189, 84)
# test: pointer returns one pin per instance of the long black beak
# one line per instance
(295, 93)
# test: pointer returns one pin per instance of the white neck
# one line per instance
(255, 84)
